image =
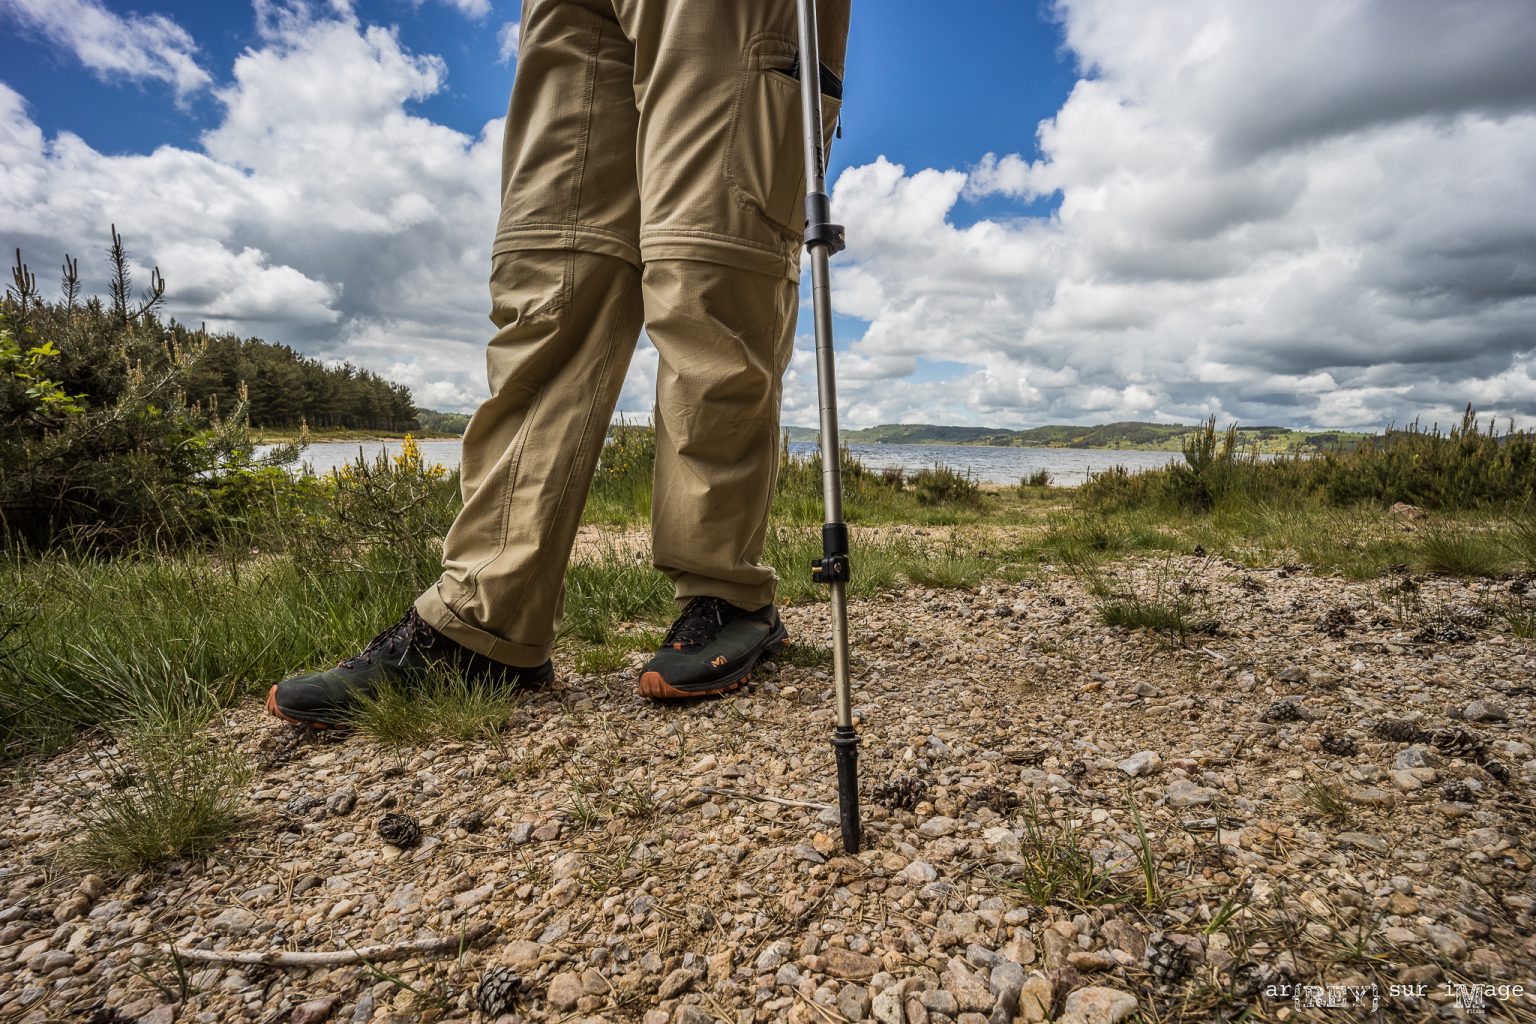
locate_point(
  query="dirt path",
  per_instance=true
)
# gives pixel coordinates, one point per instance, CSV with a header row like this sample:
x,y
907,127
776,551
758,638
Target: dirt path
x,y
634,867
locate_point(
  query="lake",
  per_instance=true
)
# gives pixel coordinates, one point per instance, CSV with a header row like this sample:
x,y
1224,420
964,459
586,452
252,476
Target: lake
x,y
1067,466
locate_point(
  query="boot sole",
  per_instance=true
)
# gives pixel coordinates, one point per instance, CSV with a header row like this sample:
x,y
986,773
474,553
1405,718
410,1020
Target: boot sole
x,y
276,711
654,687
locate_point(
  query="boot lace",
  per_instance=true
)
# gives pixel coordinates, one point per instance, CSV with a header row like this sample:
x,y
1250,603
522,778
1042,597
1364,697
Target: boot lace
x,y
411,631
700,620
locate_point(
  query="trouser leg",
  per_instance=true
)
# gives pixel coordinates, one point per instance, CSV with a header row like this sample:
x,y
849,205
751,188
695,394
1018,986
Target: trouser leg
x,y
722,185
530,452
565,290
724,337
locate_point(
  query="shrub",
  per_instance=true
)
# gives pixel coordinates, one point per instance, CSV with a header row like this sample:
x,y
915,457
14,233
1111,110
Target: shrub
x,y
944,486
101,447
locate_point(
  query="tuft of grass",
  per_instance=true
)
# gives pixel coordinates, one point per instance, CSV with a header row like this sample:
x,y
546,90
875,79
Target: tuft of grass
x,y
1034,480
443,705
1057,865
804,654
1170,607
1151,880
178,803
1328,799
1518,617
1454,550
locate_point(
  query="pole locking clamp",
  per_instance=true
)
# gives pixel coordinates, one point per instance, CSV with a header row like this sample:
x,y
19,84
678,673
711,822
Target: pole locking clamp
x,y
832,566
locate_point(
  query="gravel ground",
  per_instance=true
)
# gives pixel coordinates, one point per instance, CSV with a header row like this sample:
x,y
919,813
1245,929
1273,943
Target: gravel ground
x,y
1066,821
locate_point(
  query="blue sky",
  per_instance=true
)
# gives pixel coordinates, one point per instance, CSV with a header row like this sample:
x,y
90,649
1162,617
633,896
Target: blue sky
x,y
1064,211
924,91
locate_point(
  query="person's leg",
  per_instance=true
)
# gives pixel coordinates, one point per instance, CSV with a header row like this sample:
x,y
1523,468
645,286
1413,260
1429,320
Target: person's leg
x,y
565,290
721,160
566,294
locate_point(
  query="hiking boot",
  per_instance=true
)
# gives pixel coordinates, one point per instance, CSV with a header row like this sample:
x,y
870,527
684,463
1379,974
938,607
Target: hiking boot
x,y
711,648
402,655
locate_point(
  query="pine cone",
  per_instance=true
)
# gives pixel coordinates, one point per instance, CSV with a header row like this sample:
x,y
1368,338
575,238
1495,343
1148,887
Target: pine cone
x,y
1003,801
1497,770
1455,742
1457,792
1076,770
1337,622
901,793
498,991
472,822
1248,979
1166,960
1398,731
399,830
1286,710
1339,745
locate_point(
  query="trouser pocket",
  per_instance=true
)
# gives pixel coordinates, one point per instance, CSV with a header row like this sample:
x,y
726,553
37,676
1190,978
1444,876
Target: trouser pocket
x,y
765,159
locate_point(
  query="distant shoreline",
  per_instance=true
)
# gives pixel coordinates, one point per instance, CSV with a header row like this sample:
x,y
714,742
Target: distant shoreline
x,y
366,436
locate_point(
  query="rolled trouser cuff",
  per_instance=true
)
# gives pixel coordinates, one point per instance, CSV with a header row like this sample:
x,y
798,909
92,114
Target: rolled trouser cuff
x,y
431,607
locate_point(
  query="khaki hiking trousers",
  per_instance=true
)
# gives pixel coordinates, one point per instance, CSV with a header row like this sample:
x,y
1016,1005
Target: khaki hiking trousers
x,y
652,174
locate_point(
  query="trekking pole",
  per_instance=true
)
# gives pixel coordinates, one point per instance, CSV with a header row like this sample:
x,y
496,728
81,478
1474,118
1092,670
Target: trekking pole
x,y
822,240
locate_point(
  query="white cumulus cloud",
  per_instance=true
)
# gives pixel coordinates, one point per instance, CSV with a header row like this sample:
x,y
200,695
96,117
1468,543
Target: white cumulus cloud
x,y
138,47
507,39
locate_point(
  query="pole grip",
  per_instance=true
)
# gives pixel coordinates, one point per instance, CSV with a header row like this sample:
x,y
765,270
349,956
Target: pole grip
x,y
846,744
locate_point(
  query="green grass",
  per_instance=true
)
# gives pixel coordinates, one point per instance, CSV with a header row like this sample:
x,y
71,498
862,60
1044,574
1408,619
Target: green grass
x,y
444,706
1453,550
1170,605
1327,799
170,800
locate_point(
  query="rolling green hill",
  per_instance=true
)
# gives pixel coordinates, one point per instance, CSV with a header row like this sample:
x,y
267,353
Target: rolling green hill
x,y
1147,436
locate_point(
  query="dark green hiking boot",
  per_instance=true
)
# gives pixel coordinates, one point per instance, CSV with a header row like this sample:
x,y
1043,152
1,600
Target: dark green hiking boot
x,y
402,655
711,648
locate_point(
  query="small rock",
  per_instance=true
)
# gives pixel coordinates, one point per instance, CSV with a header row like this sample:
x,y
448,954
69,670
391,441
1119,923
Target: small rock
x,y
919,872
848,965
887,1006
342,802
1006,981
564,991
50,961
1446,941
1035,998
771,956
1097,1005
940,1001
1416,757
1485,711
314,1011
92,887
520,833
969,991
1140,763
1091,960
521,953
233,921
676,983
72,908
853,1002
1183,793
938,826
